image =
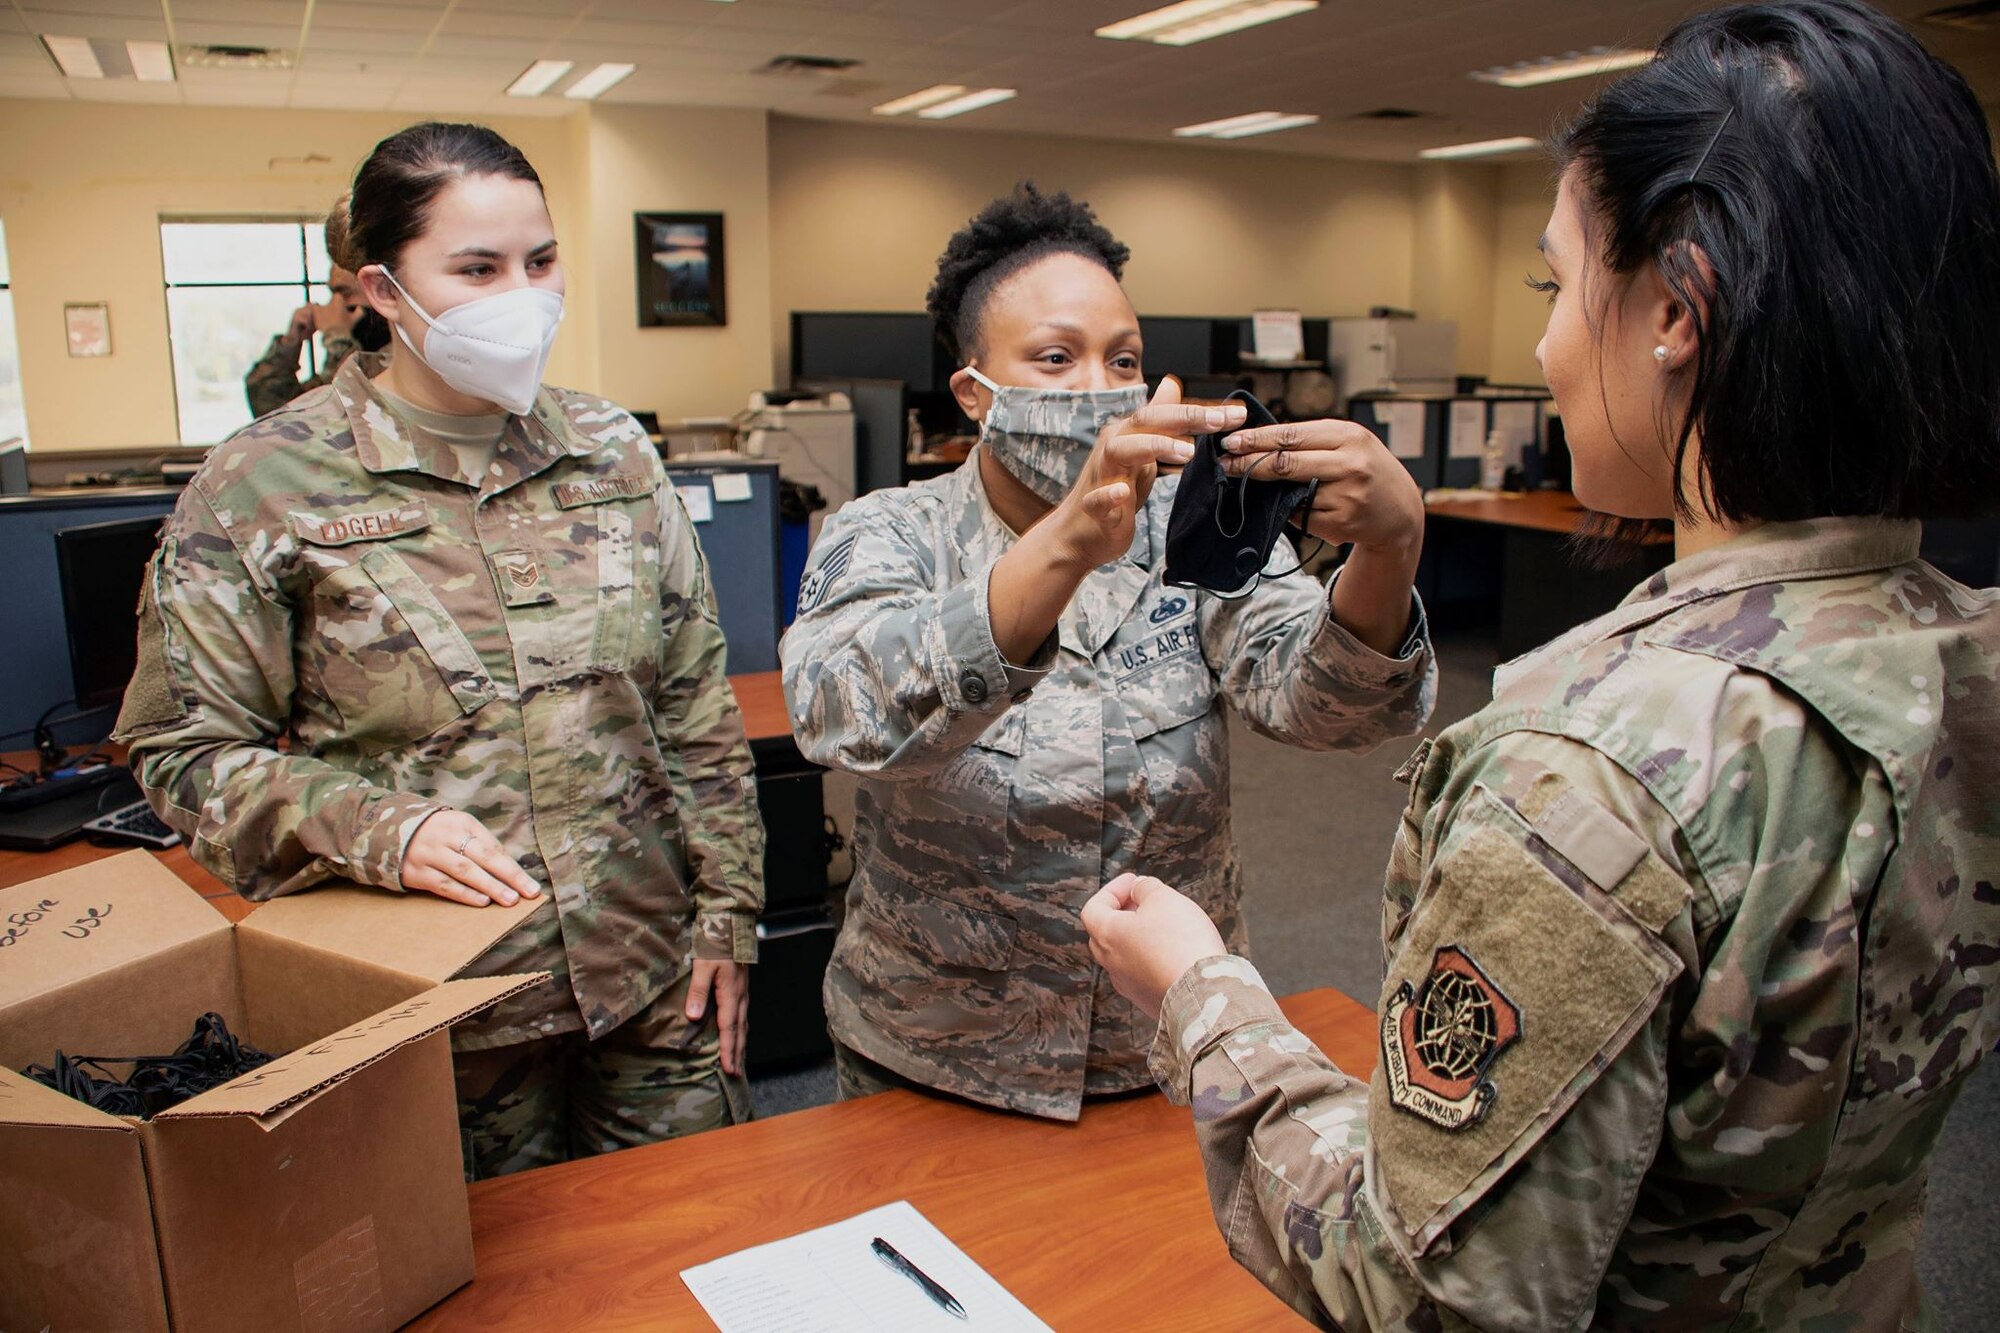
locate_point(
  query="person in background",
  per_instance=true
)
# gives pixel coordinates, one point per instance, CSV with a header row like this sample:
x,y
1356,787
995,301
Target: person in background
x,y
344,323
440,628
1691,934
1032,708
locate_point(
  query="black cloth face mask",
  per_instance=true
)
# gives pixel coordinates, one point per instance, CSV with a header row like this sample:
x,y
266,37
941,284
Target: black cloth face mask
x,y
1222,528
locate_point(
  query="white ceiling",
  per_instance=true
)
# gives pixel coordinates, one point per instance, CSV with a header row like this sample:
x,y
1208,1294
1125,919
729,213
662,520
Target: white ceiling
x,y
456,57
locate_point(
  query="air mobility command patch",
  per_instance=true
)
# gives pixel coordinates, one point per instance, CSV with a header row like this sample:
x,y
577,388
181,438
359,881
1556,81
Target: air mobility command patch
x,y
1438,1042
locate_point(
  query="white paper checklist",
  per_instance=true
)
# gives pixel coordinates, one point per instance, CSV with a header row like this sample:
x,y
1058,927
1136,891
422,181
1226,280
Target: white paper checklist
x,y
829,1281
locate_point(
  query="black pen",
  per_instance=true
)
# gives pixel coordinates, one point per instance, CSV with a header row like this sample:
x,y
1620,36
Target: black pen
x,y
889,1255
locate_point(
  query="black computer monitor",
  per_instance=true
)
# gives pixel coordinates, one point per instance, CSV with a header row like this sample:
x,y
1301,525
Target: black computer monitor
x,y
101,566
842,345
1176,346
13,467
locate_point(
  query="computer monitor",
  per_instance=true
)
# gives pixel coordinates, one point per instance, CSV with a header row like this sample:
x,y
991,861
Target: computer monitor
x,y
838,345
1176,346
101,566
13,467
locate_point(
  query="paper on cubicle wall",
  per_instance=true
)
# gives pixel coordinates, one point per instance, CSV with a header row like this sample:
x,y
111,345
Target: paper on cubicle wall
x,y
698,500
1468,429
1515,420
829,1281
1402,426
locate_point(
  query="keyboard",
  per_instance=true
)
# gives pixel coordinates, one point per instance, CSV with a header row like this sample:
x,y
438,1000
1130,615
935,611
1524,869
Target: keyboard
x,y
26,795
134,823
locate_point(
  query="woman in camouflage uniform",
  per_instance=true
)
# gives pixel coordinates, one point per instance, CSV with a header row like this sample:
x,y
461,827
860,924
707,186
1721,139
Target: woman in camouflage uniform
x,y
436,627
1032,708
1691,934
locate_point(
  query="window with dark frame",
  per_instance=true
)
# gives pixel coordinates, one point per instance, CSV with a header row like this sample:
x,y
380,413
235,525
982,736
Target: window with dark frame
x,y
232,285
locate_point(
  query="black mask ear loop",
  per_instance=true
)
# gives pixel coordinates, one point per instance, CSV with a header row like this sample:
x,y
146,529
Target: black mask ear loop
x,y
1243,516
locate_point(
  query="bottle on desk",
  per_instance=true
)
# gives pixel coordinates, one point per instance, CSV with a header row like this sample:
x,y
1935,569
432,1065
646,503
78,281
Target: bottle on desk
x,y
1493,462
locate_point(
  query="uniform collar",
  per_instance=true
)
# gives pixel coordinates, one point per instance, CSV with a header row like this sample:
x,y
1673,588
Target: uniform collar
x,y
1820,548
1107,596
384,442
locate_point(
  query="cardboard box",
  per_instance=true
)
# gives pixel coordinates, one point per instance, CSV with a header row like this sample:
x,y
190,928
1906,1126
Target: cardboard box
x,y
322,1192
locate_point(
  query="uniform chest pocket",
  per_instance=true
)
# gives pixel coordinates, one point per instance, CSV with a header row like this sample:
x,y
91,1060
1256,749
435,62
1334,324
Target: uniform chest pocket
x,y
1181,742
392,662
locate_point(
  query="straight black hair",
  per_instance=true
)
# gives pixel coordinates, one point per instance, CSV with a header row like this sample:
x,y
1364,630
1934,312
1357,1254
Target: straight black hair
x,y
390,204
1820,193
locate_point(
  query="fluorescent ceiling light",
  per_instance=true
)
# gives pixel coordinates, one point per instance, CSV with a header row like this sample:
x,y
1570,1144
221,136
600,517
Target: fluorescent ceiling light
x,y
1267,127
1484,148
598,81
538,78
958,106
78,61
1208,127
1242,127
1554,69
931,96
151,61
1193,21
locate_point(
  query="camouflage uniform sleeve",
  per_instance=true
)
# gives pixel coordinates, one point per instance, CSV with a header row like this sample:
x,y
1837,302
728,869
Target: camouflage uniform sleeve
x,y
1295,674
208,702
884,673
701,736
1551,926
274,380
334,349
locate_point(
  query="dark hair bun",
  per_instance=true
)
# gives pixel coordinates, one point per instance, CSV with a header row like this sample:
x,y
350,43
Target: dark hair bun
x,y
339,242
1002,239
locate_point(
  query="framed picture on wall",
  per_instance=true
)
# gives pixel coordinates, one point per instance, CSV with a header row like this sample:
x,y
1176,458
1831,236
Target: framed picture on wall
x,y
87,328
681,271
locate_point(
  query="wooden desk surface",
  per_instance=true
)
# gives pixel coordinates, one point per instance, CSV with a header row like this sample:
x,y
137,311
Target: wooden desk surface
x,y
1540,511
759,694
1103,1224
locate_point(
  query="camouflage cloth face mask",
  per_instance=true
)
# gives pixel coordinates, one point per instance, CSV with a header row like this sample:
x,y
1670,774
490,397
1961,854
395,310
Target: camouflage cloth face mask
x,y
1044,436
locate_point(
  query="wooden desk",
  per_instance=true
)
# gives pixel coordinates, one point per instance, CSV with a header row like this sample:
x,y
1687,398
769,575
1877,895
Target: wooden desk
x,y
760,696
1537,511
1510,554
1103,1224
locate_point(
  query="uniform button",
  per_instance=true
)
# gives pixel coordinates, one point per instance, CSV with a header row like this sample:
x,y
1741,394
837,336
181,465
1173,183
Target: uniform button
x,y
973,686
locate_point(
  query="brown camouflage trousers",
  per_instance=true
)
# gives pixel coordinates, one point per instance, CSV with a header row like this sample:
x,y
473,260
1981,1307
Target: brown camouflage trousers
x,y
656,1076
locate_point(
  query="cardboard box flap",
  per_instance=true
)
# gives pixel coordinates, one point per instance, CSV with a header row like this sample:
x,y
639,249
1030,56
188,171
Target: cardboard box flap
x,y
26,1102
95,919
417,934
295,1077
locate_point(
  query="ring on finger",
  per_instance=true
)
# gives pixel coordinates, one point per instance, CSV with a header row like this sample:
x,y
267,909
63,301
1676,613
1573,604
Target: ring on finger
x,y
466,842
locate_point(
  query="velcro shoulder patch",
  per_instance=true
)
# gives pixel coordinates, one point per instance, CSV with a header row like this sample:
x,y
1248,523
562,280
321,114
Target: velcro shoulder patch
x,y
358,525
601,490
1515,985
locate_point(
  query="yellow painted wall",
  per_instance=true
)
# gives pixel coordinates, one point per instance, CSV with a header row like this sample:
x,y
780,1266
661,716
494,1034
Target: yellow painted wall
x,y
1526,193
82,188
1456,206
675,159
860,213
819,216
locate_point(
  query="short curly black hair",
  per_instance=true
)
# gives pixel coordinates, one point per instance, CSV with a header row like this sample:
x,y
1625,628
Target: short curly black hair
x,y
1002,239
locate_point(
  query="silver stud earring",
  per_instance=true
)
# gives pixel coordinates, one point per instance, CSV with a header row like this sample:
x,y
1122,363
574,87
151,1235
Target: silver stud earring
x,y
1660,353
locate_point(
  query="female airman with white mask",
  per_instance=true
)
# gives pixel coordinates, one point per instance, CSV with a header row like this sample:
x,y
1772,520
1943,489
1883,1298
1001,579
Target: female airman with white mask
x,y
441,628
